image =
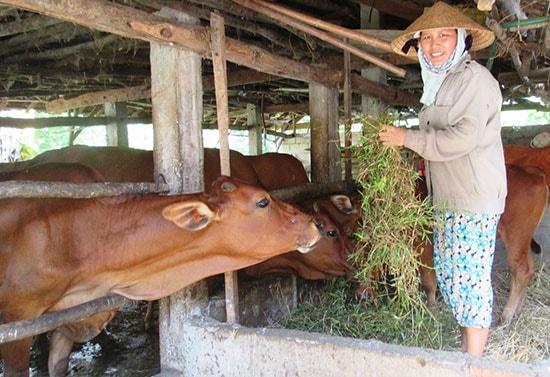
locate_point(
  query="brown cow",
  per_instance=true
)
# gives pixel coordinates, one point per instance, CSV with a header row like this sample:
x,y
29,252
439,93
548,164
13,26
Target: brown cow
x,y
278,170
119,164
58,171
528,156
272,171
57,253
328,259
525,206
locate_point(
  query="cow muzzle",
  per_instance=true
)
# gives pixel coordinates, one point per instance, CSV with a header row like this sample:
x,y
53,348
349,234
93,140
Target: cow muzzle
x,y
305,245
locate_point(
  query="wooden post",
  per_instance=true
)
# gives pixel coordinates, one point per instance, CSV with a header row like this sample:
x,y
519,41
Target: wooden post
x,y
370,19
325,140
176,96
117,126
254,129
220,83
347,115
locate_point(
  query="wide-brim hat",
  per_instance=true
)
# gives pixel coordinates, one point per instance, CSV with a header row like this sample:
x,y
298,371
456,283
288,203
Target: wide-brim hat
x,y
443,15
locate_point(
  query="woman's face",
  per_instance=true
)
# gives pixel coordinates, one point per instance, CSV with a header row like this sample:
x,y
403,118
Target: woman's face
x,y
438,45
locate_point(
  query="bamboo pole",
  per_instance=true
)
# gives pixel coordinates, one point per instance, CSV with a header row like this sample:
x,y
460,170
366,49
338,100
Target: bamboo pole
x,y
23,329
259,7
327,26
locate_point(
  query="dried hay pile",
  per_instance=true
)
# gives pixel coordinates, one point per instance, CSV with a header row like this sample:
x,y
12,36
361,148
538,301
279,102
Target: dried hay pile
x,y
527,338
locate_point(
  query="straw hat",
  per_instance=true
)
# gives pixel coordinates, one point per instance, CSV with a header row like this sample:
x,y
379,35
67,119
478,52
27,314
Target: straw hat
x,y
443,15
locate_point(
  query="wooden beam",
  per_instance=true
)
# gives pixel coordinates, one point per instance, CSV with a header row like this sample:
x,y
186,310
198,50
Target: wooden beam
x,y
99,98
132,23
385,93
63,122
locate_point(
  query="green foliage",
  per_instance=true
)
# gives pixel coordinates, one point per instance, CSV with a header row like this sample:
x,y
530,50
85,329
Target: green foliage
x,y
394,220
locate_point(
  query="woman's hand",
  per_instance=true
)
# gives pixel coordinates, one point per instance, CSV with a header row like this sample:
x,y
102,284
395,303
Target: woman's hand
x,y
392,136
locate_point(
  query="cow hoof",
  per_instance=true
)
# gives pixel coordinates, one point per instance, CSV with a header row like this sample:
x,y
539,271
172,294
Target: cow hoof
x,y
60,368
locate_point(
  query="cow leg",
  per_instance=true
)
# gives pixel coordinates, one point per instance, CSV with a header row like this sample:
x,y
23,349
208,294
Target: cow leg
x,y
60,349
64,337
16,354
427,272
522,270
16,357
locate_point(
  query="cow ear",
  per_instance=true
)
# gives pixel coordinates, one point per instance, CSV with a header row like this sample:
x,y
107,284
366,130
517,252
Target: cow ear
x,y
343,204
191,216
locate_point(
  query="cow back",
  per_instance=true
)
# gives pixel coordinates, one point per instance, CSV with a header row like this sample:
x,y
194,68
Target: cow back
x,y
528,156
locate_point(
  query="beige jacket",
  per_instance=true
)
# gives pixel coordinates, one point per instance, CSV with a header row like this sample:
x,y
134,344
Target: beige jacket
x,y
459,136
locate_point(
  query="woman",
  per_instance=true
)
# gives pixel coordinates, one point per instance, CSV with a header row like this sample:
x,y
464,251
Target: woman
x,y
459,137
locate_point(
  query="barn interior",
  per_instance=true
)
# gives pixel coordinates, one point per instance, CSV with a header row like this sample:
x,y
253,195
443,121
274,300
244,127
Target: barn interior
x,y
79,61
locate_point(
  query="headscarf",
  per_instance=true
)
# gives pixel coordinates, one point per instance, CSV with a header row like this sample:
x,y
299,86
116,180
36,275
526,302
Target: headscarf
x,y
433,76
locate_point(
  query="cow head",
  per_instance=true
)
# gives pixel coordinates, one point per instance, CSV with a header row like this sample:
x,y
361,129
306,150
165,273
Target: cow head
x,y
328,259
247,215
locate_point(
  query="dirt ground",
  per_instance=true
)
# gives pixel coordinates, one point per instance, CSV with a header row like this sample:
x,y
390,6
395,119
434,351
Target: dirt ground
x,y
124,349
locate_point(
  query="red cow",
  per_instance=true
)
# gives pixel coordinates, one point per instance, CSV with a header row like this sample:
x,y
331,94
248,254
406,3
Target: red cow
x,y
141,247
527,156
271,171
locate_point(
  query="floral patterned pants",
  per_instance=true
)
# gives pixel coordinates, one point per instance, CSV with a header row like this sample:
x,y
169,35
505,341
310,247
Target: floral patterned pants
x,y
464,245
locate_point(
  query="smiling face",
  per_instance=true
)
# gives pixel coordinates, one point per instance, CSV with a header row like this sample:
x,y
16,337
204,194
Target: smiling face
x,y
438,44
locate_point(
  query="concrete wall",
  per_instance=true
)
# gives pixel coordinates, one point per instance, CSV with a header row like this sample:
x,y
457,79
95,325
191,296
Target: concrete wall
x,y
219,349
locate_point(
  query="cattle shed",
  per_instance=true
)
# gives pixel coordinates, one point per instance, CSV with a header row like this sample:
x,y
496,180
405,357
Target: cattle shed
x,y
250,65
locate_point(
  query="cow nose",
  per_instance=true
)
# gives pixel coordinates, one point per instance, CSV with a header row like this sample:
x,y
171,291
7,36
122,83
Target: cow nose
x,y
319,223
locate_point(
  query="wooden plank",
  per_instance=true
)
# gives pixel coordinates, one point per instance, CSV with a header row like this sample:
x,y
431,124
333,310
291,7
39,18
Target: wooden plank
x,y
176,88
132,23
23,329
38,189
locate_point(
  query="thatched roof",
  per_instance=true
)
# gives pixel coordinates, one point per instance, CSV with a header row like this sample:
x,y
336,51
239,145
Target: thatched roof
x,y
72,55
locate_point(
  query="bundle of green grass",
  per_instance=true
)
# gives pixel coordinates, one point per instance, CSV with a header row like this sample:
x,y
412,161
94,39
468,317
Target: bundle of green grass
x,y
395,219
386,257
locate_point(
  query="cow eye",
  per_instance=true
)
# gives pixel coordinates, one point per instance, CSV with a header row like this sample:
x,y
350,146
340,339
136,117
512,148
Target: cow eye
x,y
264,202
332,233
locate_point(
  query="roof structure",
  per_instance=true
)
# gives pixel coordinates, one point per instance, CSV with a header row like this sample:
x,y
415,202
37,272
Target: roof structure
x,y
74,55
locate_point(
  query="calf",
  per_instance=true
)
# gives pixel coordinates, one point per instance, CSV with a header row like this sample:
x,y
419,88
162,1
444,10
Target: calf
x,y
57,253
